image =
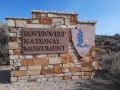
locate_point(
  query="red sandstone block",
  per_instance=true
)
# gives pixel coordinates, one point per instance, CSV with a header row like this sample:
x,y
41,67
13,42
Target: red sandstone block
x,y
85,69
66,77
75,69
41,61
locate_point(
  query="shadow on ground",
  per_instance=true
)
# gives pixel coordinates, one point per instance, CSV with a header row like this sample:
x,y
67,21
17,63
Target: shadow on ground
x,y
4,76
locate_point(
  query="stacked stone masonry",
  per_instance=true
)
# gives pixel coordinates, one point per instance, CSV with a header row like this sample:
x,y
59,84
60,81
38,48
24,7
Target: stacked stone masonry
x,y
47,67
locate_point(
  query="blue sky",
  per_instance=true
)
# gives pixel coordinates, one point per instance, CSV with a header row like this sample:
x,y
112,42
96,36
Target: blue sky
x,y
106,12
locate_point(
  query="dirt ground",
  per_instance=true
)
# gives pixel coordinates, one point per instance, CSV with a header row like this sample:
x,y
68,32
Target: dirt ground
x,y
88,84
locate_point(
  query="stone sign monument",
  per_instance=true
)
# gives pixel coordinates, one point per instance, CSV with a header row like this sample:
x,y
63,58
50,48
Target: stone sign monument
x,y
51,46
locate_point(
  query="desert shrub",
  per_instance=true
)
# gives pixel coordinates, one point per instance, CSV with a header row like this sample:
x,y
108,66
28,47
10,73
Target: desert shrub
x,y
3,43
111,64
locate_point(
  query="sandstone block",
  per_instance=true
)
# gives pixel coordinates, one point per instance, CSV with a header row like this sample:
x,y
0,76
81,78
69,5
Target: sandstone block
x,y
66,77
58,75
23,68
30,62
55,60
41,61
19,73
17,64
68,65
53,15
66,58
33,72
34,76
34,25
87,73
41,56
11,62
66,16
21,23
68,74
66,70
11,23
75,77
45,71
58,21
57,78
14,57
13,79
14,45
75,69
78,73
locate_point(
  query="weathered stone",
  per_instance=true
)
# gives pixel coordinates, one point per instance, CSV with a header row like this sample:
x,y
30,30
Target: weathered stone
x,y
75,77
66,77
30,62
17,60
26,56
37,67
11,23
55,60
68,65
87,73
67,21
12,34
19,73
66,70
86,64
66,16
17,64
34,25
41,56
47,67
17,52
68,74
11,62
53,15
47,26
41,61
34,76
14,45
33,72
49,75
57,70
78,73
74,69
58,75
35,21
66,58
86,59
21,23
14,57
63,26
58,21
13,79
23,68
45,71
45,20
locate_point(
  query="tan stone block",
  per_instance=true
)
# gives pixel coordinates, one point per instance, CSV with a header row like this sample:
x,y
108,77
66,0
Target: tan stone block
x,y
87,73
31,67
37,67
33,72
86,64
24,62
45,71
41,61
75,77
74,69
85,59
19,73
30,62
13,79
55,60
21,23
14,57
57,65
68,65
85,69
14,45
57,70
35,25
66,70
66,77
66,58
11,23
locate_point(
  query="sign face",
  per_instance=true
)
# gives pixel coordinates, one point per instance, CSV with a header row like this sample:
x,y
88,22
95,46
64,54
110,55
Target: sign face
x,y
45,40
83,37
